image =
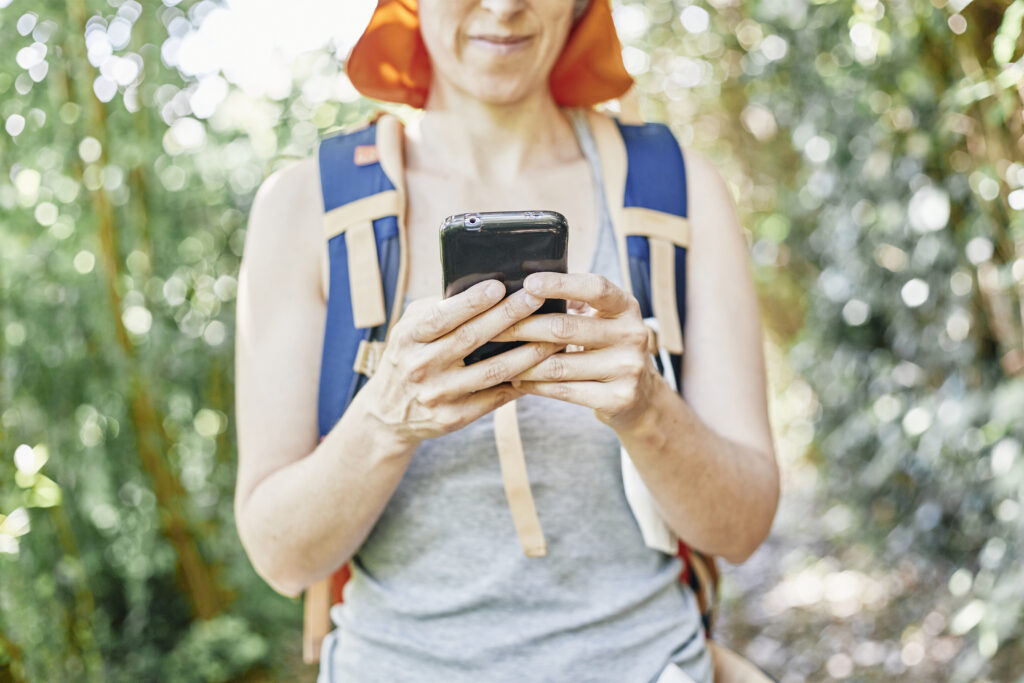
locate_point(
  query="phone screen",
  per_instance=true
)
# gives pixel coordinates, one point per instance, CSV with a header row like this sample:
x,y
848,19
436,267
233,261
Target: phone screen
x,y
505,246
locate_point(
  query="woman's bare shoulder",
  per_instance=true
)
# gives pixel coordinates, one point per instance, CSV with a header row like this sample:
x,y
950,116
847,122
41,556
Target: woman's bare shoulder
x,y
702,175
711,206
286,220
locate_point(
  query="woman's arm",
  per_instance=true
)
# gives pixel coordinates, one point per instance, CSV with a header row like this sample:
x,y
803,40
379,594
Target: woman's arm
x,y
708,460
719,488
303,509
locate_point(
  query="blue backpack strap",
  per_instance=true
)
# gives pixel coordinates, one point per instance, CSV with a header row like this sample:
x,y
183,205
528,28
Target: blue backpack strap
x,y
657,229
645,186
361,225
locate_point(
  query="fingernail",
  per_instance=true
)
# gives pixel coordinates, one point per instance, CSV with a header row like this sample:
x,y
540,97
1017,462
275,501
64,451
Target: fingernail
x,y
494,289
535,282
531,299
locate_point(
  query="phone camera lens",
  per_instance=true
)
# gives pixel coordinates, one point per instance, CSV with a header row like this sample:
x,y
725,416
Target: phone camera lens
x,y
473,221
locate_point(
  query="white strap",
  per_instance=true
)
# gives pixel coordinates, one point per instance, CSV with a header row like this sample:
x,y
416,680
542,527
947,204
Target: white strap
x,y
653,528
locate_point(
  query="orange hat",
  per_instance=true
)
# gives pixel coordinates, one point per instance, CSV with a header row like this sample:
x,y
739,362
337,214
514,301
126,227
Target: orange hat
x,y
390,61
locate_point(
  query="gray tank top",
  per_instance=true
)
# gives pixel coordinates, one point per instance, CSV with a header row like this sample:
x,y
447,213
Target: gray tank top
x,y
441,590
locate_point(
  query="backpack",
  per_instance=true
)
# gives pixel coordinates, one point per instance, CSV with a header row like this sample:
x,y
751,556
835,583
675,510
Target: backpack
x,y
362,182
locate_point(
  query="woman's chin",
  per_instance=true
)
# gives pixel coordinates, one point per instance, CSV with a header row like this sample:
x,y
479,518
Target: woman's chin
x,y
502,91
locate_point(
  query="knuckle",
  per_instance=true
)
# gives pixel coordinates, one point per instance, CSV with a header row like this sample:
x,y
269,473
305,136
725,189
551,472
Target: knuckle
x,y
428,397
637,336
416,367
563,326
602,285
632,367
433,320
633,306
496,371
542,351
416,374
514,310
467,336
554,368
501,398
517,330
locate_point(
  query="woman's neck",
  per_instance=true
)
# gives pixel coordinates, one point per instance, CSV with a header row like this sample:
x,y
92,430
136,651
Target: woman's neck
x,y
461,136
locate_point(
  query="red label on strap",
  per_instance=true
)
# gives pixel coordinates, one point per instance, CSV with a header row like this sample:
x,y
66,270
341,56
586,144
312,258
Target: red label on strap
x,y
365,155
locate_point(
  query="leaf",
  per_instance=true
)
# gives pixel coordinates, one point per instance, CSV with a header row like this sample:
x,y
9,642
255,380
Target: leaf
x,y
1009,31
45,493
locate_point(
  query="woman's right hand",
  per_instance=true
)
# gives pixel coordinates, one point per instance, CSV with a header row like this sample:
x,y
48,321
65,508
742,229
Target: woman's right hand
x,y
422,389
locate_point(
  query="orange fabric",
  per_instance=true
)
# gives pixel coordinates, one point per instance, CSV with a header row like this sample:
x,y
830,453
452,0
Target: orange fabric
x,y
390,61
338,580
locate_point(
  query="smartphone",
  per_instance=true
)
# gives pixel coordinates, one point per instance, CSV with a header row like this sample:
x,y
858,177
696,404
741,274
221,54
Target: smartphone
x,y
505,246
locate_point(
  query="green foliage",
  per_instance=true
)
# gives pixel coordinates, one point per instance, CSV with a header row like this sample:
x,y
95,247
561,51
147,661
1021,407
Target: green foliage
x,y
876,149
216,650
123,226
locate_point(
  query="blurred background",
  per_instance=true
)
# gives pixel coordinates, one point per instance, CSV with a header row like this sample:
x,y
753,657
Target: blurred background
x,y
875,151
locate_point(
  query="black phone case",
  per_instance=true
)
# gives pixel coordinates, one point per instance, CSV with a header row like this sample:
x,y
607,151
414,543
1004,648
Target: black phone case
x,y
505,246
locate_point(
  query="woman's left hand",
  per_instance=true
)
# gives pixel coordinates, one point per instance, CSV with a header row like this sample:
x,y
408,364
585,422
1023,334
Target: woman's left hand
x,y
613,373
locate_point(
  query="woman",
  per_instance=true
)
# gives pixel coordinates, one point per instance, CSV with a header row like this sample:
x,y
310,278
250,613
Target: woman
x,y
406,484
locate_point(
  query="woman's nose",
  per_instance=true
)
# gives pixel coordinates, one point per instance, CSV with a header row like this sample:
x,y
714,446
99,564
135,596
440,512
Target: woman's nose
x,y
503,9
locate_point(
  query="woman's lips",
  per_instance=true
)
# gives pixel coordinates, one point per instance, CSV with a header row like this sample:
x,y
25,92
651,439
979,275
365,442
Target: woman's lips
x,y
500,45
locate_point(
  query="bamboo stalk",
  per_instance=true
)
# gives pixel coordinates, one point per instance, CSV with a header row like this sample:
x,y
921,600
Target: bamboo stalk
x,y
14,671
197,579
82,632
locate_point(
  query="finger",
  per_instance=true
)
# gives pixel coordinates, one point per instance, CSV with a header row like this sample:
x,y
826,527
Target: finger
x,y
507,365
448,314
474,406
596,290
601,365
470,380
581,393
583,330
486,325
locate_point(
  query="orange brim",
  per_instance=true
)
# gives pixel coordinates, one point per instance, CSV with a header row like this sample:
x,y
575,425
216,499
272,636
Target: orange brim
x,y
390,61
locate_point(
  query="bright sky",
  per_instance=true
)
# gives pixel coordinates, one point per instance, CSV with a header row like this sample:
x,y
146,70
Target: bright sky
x,y
252,42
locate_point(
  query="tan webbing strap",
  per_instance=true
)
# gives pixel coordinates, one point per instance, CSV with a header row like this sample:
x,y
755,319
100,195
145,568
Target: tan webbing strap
x,y
391,151
660,224
364,282
612,151
316,619
340,219
664,231
517,483
706,578
663,294
368,356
